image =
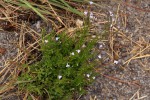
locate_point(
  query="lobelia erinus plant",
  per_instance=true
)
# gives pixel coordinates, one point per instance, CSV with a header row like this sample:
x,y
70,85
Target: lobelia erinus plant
x,y
65,67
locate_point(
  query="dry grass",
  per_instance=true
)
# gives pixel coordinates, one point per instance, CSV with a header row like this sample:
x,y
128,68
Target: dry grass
x,y
122,45
140,48
18,18
134,49
9,19
14,12
136,96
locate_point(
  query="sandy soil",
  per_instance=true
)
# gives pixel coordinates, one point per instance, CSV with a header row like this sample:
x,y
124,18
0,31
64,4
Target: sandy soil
x,y
126,56
8,46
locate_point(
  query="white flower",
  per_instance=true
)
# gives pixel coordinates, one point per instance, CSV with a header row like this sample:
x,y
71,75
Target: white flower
x,y
59,76
91,15
85,12
99,56
116,62
111,14
88,75
72,53
67,65
90,2
57,38
46,41
78,51
100,46
93,77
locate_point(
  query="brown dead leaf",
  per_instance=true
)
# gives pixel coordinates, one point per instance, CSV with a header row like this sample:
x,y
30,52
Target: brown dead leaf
x,y
2,50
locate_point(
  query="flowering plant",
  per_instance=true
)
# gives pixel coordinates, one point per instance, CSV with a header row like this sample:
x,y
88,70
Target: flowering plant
x,y
64,69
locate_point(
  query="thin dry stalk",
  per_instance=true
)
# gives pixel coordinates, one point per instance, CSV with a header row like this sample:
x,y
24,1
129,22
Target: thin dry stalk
x,y
116,30
136,96
135,56
56,15
118,80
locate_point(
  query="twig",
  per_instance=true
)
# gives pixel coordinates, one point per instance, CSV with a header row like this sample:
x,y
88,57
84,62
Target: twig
x,y
136,55
116,79
140,9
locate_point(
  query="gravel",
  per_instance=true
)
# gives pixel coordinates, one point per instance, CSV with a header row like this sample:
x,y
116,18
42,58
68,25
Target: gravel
x,y
124,81
8,42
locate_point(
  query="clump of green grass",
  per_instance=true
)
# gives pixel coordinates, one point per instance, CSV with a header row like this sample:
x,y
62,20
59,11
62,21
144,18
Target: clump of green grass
x,y
64,69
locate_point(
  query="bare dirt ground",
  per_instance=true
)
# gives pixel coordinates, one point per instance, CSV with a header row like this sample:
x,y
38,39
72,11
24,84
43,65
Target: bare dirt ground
x,y
8,46
125,54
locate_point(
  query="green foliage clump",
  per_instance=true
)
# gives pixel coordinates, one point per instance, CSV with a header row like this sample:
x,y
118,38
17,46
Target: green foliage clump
x,y
65,67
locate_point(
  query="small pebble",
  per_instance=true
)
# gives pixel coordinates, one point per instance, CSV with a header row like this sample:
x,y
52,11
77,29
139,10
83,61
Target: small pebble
x,y
38,24
93,36
83,46
119,83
